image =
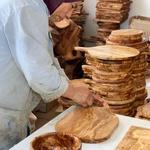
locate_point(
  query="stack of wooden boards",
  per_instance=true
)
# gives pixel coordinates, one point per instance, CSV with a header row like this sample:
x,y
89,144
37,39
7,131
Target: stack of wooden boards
x,y
134,38
142,23
79,14
109,15
79,17
110,69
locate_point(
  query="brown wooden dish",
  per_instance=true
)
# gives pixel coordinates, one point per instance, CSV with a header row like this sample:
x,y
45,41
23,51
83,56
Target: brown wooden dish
x,y
56,141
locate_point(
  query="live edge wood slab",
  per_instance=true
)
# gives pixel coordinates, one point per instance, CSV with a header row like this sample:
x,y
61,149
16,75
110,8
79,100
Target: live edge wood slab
x,y
91,125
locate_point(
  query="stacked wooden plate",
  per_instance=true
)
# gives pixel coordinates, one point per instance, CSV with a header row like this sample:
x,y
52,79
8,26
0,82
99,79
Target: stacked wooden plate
x,y
110,68
109,15
79,14
142,23
134,38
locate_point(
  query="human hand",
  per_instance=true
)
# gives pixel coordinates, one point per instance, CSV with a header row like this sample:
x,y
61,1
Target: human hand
x,y
101,102
79,92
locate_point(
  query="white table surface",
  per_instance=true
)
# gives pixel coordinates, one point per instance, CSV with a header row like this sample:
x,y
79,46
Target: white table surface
x,y
124,124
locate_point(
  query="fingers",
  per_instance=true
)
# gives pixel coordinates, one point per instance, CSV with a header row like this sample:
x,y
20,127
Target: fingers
x,y
90,100
104,103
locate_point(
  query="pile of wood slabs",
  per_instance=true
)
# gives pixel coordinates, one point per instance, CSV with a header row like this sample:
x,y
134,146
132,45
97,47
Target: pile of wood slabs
x,y
134,38
109,71
142,23
109,15
79,14
79,17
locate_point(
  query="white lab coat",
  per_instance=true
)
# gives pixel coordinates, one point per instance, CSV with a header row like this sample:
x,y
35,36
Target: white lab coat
x,y
27,64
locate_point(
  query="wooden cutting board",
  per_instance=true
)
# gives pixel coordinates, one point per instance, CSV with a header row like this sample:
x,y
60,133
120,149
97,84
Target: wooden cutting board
x,y
137,138
110,52
91,125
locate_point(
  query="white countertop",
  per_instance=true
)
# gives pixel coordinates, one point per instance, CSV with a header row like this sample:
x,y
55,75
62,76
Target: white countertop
x,y
124,125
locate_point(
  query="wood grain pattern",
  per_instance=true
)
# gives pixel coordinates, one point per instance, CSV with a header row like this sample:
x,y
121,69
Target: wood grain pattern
x,y
122,102
112,78
56,141
113,6
109,65
142,46
144,111
126,36
92,125
63,23
137,138
110,52
134,38
127,33
109,15
108,87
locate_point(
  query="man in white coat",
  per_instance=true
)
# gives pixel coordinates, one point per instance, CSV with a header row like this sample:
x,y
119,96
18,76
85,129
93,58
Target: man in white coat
x,y
28,68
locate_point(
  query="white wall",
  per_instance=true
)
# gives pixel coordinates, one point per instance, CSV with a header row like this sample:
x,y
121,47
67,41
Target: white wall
x,y
138,7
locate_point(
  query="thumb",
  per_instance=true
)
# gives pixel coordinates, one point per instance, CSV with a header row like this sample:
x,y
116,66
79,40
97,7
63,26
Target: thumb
x,y
104,103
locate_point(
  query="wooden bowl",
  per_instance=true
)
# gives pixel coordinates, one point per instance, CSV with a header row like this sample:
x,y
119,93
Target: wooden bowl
x,y
57,141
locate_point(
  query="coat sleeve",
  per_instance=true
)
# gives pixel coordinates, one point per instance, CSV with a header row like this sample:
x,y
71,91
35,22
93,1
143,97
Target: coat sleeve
x,y
27,35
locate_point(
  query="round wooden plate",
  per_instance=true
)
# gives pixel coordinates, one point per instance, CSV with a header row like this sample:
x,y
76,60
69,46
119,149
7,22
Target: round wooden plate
x,y
110,52
126,36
